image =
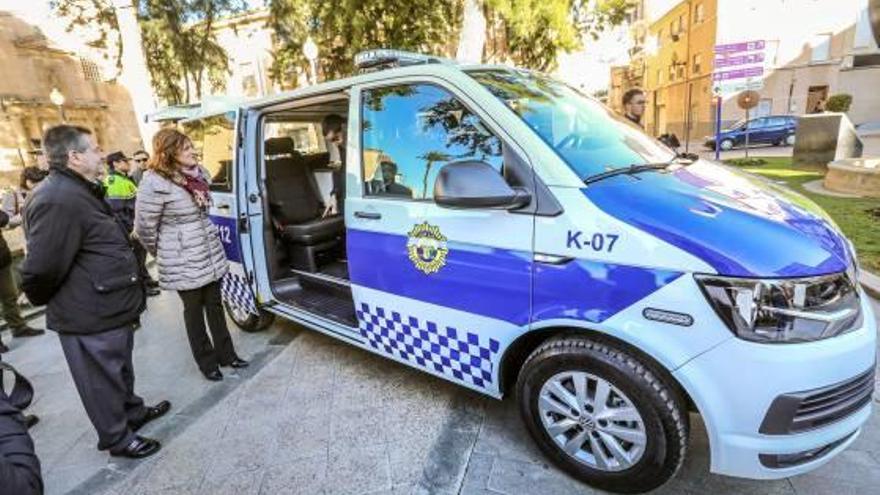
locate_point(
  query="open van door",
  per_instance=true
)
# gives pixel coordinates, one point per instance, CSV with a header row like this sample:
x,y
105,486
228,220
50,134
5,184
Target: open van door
x,y
215,137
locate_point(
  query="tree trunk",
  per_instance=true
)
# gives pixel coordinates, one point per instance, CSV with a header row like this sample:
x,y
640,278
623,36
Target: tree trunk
x,y
134,75
473,33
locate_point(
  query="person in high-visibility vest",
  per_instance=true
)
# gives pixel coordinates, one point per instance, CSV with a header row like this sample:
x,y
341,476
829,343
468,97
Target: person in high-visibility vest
x,y
121,193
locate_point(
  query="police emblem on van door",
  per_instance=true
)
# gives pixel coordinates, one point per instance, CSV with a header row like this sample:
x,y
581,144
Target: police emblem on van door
x,y
427,248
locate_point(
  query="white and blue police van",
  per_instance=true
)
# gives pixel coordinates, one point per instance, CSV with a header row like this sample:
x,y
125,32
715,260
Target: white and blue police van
x,y
495,228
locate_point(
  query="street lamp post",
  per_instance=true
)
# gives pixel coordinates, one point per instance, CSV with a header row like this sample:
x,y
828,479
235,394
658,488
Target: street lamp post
x,y
57,98
310,50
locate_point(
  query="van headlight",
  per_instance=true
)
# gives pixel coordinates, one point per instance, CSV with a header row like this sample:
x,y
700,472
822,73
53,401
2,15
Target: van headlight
x,y
785,310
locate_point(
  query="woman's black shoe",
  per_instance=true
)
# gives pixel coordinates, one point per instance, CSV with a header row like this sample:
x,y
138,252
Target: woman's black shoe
x,y
214,376
239,363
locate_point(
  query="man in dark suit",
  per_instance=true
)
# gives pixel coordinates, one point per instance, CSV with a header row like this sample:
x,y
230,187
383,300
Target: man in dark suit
x,y
81,263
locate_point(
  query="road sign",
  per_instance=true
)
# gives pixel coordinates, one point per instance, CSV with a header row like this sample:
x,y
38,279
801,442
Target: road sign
x,y
739,67
729,87
738,73
747,46
723,60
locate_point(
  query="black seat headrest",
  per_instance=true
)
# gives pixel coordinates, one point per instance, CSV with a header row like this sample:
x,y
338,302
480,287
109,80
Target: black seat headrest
x,y
279,146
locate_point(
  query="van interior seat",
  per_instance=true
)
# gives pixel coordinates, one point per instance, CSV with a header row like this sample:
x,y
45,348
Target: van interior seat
x,y
296,207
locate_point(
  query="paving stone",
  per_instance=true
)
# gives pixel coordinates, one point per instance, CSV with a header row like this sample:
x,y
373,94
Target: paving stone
x,y
303,476
243,482
299,438
478,470
357,469
358,427
517,477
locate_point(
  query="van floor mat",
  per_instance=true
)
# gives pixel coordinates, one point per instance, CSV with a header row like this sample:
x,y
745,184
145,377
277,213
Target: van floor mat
x,y
327,304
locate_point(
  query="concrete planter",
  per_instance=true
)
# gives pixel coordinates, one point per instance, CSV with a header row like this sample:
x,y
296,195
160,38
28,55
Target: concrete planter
x,y
859,176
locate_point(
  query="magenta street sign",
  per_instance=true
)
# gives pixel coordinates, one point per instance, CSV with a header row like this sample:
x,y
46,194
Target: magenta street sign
x,y
738,74
747,46
723,61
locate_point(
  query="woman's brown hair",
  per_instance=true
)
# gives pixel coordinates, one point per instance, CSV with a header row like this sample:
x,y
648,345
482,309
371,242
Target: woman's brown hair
x,y
167,143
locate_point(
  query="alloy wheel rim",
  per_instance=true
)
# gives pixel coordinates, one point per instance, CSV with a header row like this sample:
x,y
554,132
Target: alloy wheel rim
x,y
592,421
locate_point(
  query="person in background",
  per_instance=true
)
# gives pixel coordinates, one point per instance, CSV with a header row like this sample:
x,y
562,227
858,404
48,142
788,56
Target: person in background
x,y
81,263
634,105
171,220
333,127
139,161
10,217
121,194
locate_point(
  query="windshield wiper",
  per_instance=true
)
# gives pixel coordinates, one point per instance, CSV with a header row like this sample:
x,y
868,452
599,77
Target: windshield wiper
x,y
629,170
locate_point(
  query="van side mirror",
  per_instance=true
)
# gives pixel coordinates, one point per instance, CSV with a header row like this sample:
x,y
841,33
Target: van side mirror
x,y
474,184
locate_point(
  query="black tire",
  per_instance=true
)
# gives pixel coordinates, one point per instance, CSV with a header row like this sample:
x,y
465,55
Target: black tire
x,y
251,322
661,408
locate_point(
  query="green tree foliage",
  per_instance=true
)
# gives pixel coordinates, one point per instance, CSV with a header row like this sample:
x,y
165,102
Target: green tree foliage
x,y
532,32
181,47
179,44
535,32
343,28
99,14
839,102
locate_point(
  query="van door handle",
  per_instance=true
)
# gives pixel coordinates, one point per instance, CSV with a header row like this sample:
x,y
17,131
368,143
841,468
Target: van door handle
x,y
370,215
223,206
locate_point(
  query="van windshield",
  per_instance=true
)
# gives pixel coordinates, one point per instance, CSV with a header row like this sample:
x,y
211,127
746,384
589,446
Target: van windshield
x,y
587,135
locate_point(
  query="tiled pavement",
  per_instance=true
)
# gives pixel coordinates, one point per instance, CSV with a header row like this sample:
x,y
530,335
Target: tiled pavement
x,y
316,416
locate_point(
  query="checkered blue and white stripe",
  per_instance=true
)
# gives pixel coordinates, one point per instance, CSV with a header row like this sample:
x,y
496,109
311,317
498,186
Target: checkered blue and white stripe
x,y
459,354
237,293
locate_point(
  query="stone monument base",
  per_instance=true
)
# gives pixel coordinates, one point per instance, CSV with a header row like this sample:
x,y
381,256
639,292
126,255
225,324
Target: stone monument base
x,y
860,176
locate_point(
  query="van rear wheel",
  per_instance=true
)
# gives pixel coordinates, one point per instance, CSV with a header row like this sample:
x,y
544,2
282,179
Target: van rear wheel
x,y
248,321
601,415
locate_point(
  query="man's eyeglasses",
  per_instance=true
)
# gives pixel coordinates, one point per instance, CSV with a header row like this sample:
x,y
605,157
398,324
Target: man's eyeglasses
x,y
139,160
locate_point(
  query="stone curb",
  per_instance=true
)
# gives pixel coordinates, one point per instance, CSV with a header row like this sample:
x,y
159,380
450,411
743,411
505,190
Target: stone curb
x,y
871,283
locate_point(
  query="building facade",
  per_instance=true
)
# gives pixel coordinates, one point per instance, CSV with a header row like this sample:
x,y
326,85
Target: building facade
x,y
831,49
33,67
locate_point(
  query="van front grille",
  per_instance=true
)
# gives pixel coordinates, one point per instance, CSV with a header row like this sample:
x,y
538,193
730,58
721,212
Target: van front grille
x,y
801,411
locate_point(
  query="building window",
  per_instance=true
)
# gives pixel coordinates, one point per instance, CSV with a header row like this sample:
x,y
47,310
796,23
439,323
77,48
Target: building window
x,y
698,63
91,71
821,47
671,73
679,72
672,31
659,38
698,13
659,77
680,26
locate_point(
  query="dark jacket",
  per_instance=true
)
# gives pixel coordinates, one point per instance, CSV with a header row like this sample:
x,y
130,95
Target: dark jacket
x,y
79,258
19,466
5,253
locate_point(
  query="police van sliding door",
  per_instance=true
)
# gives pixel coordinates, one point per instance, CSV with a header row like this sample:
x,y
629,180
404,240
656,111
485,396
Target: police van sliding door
x,y
442,289
214,138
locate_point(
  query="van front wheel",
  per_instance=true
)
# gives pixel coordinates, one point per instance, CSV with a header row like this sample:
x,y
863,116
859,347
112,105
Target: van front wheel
x,y
248,321
601,415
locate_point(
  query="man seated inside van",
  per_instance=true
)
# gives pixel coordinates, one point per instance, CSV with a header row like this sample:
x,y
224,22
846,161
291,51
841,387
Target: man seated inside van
x,y
390,186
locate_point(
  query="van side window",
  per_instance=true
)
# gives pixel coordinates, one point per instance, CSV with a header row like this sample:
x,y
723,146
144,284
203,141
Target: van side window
x,y
409,132
214,139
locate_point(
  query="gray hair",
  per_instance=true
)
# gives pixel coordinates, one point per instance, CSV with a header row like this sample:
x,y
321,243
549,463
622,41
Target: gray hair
x,y
60,140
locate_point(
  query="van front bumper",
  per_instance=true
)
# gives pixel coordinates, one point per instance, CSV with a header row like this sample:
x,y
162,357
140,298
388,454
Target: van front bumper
x,y
758,401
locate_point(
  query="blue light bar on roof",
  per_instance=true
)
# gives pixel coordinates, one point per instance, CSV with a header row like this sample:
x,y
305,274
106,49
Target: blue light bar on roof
x,y
383,58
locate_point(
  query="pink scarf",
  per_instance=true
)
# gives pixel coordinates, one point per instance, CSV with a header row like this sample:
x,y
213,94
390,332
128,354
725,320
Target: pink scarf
x,y
195,183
